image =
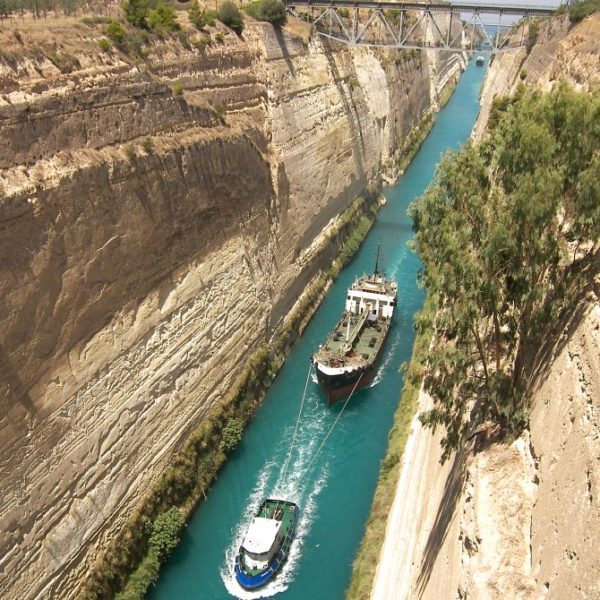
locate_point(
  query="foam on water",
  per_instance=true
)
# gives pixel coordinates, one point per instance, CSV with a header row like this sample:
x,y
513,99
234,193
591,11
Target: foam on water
x,y
298,487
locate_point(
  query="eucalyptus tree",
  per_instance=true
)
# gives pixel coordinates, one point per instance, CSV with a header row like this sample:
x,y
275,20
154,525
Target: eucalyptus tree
x,y
504,232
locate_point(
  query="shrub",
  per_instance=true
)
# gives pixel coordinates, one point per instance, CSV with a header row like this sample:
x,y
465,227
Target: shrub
x,y
96,20
116,32
196,16
201,42
136,12
165,533
177,89
532,35
104,44
219,111
162,19
579,10
148,145
232,434
271,11
219,37
229,14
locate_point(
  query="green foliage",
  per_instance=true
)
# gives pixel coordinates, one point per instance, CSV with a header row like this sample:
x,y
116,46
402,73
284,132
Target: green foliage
x,y
197,16
148,145
165,533
532,35
492,234
162,19
201,42
104,45
210,16
229,14
177,89
579,10
219,37
232,435
116,32
136,12
271,11
95,20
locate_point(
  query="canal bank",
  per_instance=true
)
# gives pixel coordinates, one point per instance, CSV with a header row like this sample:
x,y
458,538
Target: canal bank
x,y
336,492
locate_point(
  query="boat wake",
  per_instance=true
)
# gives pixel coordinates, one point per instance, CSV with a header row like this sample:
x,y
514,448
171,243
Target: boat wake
x,y
295,487
389,353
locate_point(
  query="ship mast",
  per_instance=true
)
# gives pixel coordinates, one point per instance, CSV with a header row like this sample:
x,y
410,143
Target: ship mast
x,y
377,259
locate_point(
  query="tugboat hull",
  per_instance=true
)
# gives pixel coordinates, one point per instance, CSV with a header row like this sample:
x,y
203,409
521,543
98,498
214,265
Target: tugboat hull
x,y
252,578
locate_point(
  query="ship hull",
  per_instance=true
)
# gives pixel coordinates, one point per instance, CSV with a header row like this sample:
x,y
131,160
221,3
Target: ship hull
x,y
339,386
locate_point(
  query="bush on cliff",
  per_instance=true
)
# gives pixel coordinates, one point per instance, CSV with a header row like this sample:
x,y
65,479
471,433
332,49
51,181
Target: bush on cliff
x,y
229,14
162,19
509,238
579,10
271,11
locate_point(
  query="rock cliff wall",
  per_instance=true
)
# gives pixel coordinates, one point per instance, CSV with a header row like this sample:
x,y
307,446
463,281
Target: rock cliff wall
x,y
516,520
157,215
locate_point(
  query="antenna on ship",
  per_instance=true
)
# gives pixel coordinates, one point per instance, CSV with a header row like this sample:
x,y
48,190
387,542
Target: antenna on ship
x,y
377,259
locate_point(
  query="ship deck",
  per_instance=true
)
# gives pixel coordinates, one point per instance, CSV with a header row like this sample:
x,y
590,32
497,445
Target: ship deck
x,y
365,345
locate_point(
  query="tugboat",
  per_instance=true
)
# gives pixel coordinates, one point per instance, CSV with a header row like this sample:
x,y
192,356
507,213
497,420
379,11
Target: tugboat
x,y
267,543
348,359
480,60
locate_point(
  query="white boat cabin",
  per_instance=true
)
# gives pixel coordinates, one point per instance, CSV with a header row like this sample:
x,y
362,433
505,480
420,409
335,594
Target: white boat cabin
x,y
372,296
262,542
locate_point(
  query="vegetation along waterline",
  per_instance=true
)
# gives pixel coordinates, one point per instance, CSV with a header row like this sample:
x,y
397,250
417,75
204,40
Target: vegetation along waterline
x,y
133,561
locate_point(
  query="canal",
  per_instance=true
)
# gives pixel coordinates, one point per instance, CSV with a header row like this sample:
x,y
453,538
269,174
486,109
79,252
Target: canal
x,y
335,493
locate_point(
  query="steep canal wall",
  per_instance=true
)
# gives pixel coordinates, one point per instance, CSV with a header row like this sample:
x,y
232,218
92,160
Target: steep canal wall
x,y
160,212
520,519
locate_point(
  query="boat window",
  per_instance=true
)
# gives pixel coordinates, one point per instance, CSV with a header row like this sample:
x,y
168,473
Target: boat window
x,y
258,557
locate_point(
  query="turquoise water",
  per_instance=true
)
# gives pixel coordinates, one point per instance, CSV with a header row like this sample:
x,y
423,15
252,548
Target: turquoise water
x,y
335,493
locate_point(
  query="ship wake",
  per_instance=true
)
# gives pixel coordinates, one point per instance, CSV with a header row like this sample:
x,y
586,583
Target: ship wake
x,y
298,486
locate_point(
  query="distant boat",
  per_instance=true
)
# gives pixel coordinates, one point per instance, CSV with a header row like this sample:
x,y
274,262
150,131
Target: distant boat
x,y
267,543
480,61
348,359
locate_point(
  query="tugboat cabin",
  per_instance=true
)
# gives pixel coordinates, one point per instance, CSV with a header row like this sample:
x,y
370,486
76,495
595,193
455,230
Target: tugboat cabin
x,y
263,539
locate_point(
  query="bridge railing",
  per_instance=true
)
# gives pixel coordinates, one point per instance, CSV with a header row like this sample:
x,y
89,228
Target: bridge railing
x,y
414,25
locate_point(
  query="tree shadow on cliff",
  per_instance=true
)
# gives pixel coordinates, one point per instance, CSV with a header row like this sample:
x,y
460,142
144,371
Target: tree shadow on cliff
x,y
12,394
284,51
583,291
354,126
452,493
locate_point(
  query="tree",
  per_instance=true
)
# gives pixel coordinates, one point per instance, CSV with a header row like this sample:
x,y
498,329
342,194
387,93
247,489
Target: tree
x,y
196,16
232,434
493,231
136,12
165,533
229,14
162,19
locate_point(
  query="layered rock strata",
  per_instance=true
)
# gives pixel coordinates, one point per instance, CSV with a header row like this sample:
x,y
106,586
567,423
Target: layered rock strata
x,y
157,220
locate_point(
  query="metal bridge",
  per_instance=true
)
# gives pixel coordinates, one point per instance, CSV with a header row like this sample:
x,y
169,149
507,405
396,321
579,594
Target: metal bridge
x,y
452,26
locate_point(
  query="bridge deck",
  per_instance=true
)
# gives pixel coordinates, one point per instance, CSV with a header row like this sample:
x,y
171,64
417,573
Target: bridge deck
x,y
459,7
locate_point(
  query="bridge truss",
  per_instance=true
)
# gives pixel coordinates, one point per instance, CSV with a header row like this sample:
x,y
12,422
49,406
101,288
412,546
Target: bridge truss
x,y
455,27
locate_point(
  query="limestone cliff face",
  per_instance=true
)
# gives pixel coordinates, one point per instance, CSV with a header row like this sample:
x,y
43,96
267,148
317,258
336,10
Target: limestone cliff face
x,y
147,245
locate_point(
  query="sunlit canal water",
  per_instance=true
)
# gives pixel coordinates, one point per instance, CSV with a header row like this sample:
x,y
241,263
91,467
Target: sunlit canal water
x,y
335,494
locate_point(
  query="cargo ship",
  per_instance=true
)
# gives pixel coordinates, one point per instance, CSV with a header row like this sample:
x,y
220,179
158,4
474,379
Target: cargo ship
x,y
348,359
267,543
